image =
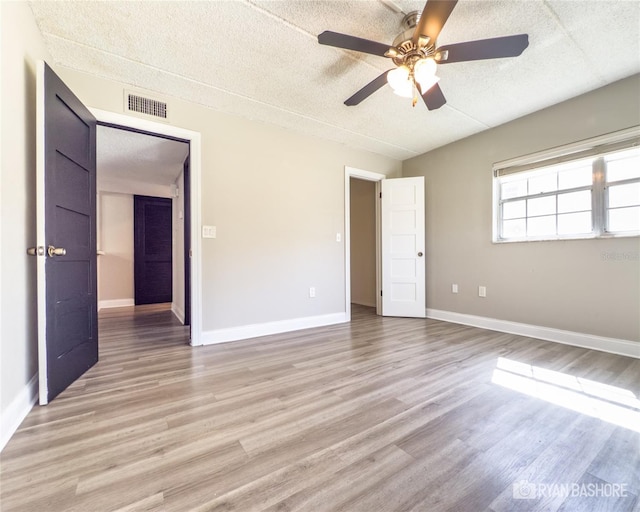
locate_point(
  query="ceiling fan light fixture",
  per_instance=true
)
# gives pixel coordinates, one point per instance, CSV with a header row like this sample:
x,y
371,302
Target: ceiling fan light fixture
x,y
424,69
399,79
424,73
428,83
406,91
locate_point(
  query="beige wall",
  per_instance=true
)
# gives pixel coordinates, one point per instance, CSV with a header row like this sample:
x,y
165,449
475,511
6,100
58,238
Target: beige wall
x,y
21,46
177,256
569,285
277,200
115,239
363,242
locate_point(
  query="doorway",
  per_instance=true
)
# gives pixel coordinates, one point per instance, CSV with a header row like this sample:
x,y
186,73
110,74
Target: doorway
x,y
192,254
363,242
373,179
142,219
400,244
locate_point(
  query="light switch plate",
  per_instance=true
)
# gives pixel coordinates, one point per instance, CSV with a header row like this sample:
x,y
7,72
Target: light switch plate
x,y
208,231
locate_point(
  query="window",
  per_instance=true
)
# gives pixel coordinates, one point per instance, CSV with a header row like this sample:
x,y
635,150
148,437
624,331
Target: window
x,y
622,189
587,190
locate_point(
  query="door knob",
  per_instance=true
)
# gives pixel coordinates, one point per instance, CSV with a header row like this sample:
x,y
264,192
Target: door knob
x,y
35,251
56,251
420,255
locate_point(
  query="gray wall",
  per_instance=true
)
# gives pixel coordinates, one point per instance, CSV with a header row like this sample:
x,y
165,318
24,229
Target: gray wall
x,y
572,285
21,47
177,255
363,242
277,200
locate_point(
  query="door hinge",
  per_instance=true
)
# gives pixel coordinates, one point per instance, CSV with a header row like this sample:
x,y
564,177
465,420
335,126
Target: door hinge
x,y
380,293
380,195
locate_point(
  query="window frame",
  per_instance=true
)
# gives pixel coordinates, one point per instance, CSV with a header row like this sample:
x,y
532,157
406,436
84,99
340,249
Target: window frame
x,y
597,149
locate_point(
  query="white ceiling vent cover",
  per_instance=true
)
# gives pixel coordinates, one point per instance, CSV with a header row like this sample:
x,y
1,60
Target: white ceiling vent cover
x,y
147,106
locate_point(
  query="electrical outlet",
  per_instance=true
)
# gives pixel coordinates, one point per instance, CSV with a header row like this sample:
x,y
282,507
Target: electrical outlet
x,y
312,292
454,288
482,291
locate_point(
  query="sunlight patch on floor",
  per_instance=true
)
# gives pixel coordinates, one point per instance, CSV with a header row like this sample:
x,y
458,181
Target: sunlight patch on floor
x,y
614,405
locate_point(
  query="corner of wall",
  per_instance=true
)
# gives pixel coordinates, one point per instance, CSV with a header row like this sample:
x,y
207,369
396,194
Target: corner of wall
x,y
17,411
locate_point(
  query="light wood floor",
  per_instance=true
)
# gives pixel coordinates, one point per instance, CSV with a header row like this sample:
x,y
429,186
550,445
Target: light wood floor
x,y
383,414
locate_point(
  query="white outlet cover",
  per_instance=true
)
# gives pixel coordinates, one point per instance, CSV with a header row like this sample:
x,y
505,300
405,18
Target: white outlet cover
x,y
208,231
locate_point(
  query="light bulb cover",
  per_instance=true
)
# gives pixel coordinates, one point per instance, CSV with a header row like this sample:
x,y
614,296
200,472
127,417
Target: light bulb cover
x,y
424,73
406,91
428,83
399,77
424,69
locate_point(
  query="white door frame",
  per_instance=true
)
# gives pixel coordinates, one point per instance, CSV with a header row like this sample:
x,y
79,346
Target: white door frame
x,y
352,172
195,156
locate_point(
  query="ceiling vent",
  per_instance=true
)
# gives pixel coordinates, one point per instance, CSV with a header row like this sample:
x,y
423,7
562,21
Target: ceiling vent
x,y
147,106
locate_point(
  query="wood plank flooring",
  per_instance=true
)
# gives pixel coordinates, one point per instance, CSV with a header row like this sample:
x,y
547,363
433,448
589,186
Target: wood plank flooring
x,y
382,414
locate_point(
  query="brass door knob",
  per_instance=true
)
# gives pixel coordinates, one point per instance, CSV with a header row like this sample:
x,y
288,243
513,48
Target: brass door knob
x,y
56,251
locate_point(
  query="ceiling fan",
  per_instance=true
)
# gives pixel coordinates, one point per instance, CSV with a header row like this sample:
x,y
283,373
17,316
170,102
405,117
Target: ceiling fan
x,y
416,56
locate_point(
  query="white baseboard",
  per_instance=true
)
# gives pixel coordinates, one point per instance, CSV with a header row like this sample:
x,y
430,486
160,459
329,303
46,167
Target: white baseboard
x,y
178,312
115,303
577,339
18,409
254,330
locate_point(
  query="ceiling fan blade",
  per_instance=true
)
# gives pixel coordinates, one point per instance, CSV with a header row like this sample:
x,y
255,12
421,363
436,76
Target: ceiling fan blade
x,y
352,43
434,15
495,48
367,90
434,98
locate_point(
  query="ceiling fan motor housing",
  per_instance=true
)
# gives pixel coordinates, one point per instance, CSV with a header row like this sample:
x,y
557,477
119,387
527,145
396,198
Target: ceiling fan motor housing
x,y
406,51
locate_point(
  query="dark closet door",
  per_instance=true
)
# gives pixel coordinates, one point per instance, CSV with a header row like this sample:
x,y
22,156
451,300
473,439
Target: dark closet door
x,y
152,249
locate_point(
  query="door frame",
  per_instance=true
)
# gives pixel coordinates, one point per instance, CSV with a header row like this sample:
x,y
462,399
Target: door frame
x,y
352,172
195,155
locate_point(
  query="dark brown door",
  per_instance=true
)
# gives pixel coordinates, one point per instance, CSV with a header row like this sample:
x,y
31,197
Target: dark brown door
x,y
152,249
66,197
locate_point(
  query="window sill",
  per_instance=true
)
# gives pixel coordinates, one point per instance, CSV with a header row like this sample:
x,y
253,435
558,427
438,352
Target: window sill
x,y
605,236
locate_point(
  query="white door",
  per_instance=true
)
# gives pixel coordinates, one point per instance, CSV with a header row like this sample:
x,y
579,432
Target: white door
x,y
403,247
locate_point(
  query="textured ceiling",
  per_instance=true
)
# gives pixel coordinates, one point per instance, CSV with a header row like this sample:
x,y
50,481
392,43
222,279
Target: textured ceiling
x,y
261,60
129,156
